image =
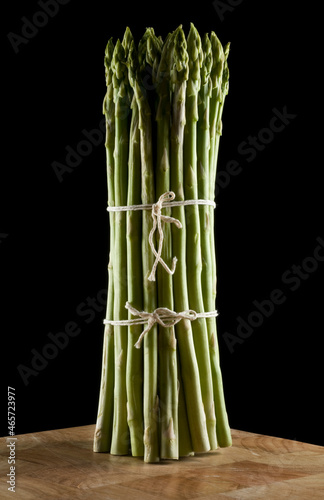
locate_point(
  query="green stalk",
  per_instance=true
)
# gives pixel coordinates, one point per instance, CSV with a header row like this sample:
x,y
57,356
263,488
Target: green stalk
x,y
185,441
194,265
189,366
120,436
222,425
150,400
134,368
168,377
206,219
103,431
134,365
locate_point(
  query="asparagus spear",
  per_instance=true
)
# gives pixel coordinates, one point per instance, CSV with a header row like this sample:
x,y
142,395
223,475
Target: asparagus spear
x,y
103,431
168,377
219,78
151,400
189,366
193,256
120,436
134,368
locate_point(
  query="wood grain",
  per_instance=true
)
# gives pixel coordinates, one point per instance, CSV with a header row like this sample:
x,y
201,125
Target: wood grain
x,y
60,465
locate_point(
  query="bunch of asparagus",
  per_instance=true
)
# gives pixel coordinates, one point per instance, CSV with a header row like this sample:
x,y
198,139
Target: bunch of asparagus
x,y
163,110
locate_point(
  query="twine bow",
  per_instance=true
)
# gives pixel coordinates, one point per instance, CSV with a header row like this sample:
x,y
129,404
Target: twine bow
x,y
157,223
162,315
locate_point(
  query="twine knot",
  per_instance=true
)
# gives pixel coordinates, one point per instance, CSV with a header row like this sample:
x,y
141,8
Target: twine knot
x,y
158,218
162,315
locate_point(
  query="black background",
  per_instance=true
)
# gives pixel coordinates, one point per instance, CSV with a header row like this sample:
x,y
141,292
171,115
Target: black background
x,y
54,235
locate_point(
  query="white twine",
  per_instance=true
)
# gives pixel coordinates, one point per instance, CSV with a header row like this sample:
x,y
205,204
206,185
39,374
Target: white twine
x,y
162,315
165,201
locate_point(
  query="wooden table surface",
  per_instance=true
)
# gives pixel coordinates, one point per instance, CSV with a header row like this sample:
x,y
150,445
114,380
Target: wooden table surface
x,y
60,464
